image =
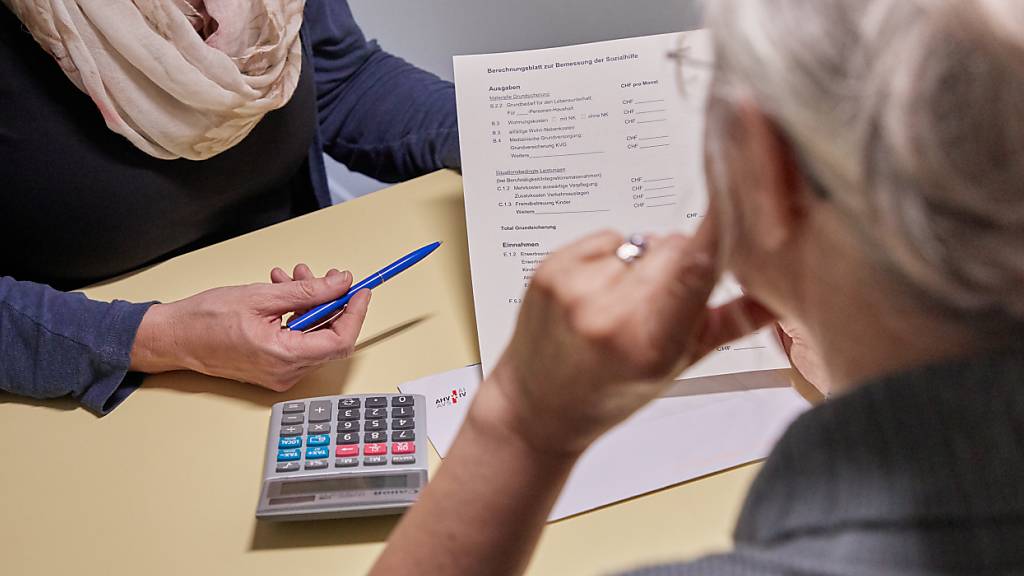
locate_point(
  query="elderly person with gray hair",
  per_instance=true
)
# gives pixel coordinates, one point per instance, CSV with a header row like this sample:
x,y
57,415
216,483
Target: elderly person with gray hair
x,y
864,160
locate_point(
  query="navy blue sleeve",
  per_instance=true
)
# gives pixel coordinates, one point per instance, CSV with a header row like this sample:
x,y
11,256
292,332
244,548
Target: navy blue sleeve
x,y
55,344
379,115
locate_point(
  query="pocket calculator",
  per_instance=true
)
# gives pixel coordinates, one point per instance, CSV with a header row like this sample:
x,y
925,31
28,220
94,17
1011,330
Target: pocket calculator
x,y
344,456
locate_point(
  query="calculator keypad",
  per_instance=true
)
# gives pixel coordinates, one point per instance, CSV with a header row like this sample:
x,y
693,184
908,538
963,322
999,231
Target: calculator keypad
x,y
361,429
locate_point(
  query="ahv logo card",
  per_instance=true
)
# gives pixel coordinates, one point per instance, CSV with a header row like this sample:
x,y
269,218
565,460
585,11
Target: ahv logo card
x,y
450,394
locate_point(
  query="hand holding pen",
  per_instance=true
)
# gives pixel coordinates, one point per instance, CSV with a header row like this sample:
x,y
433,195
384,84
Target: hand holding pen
x,y
236,333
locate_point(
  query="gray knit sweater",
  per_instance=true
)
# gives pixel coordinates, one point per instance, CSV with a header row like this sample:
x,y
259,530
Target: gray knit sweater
x,y
918,473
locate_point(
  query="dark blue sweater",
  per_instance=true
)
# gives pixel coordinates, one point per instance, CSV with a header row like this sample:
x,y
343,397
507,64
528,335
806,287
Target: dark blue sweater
x,y
375,113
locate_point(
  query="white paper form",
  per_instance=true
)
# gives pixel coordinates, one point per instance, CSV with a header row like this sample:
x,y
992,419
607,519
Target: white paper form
x,y
562,142
698,427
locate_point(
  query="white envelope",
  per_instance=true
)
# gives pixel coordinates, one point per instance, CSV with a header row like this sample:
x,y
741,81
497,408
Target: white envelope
x,y
700,426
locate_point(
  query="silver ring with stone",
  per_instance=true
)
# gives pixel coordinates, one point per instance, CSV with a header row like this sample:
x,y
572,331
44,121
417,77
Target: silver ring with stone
x,y
632,249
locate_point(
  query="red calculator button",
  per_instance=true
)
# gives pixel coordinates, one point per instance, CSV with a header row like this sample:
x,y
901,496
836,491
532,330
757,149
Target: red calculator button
x,y
375,449
346,451
403,448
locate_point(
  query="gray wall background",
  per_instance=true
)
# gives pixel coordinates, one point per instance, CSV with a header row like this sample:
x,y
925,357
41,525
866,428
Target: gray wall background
x,y
429,32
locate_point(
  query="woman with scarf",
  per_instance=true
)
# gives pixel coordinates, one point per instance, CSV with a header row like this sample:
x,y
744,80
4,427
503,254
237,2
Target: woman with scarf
x,y
134,131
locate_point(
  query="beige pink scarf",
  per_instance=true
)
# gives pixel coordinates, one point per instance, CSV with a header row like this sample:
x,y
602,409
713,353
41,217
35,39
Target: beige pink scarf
x,y
178,78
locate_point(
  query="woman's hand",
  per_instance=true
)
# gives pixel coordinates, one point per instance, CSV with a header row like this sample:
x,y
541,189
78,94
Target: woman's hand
x,y
598,338
236,332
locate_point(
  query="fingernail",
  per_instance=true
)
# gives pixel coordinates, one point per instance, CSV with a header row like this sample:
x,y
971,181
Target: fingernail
x,y
339,279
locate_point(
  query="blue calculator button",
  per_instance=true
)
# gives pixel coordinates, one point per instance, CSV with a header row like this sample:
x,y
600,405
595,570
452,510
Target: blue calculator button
x,y
285,443
318,452
318,440
288,455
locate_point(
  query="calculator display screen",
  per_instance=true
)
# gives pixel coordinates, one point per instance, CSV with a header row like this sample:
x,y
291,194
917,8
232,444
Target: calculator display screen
x,y
344,484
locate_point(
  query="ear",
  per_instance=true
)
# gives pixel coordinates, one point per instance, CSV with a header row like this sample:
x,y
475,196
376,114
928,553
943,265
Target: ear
x,y
768,178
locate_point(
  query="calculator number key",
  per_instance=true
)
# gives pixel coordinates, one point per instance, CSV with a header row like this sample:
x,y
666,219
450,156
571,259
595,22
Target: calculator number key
x,y
402,412
373,425
403,435
374,437
348,414
374,413
401,401
348,426
348,438
403,424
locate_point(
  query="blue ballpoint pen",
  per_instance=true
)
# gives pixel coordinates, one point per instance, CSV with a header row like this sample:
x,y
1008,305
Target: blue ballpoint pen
x,y
325,313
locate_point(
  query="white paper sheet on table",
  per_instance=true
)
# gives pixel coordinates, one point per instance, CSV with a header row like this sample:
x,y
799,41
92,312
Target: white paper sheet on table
x,y
700,426
562,142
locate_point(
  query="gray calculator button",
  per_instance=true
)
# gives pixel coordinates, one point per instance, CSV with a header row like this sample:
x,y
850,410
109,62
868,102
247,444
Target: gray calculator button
x,y
401,401
287,466
291,431
404,459
376,402
320,411
320,428
348,414
349,403
373,425
346,462
316,464
402,412
348,426
375,460
348,438
403,435
293,407
375,437
288,419
403,424
373,413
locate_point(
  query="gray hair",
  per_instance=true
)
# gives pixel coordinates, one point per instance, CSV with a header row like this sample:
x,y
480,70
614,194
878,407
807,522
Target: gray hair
x,y
910,113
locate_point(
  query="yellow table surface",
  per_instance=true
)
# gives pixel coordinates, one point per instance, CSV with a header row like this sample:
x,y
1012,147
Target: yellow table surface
x,y
168,482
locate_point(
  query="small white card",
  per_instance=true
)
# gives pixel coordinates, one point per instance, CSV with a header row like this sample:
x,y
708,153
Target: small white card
x,y
698,427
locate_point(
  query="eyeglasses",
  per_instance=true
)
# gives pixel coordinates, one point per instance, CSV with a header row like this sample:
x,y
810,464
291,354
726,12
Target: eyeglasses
x,y
687,65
